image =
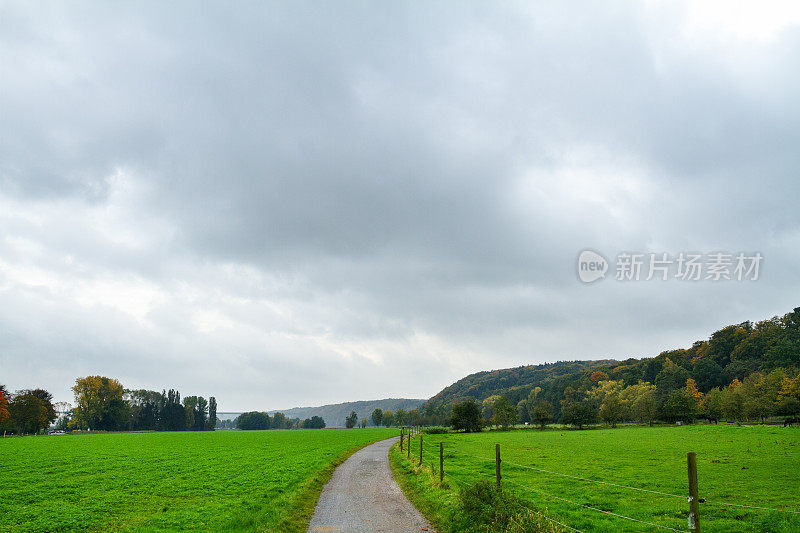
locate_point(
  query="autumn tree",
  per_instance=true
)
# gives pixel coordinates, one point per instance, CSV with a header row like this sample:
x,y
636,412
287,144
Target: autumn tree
x,y
606,396
4,414
788,398
363,423
487,407
640,402
99,403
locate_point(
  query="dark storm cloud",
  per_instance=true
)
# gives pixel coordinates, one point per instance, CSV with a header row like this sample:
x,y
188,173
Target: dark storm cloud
x,y
323,190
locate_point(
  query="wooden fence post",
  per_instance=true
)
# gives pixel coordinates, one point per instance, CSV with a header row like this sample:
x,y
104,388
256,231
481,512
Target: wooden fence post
x,y
441,462
497,463
694,498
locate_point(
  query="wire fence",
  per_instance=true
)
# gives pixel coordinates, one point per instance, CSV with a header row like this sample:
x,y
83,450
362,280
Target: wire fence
x,y
460,469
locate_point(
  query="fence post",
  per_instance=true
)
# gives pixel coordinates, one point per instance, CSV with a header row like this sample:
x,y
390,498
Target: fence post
x,y
694,498
441,462
497,463
420,449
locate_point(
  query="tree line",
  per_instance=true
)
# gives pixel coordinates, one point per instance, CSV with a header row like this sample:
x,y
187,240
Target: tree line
x,y
261,420
743,372
756,398
103,404
386,418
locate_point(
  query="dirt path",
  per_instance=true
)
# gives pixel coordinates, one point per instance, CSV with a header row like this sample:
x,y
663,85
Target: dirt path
x,y
362,496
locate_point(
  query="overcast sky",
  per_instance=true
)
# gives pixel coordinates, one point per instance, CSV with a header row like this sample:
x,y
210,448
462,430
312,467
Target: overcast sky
x,y
292,203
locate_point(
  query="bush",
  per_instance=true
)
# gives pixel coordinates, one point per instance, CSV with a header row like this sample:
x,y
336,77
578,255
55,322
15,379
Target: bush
x,y
435,430
487,508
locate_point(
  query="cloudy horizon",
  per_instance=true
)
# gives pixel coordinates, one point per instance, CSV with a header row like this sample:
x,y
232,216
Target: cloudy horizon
x,y
296,204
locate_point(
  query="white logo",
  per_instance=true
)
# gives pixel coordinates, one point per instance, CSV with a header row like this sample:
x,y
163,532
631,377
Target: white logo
x,y
591,266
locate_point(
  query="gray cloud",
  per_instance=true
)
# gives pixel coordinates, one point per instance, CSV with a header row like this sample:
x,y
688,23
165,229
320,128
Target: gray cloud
x,y
288,204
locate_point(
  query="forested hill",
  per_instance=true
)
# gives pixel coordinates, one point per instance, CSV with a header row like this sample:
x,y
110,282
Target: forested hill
x,y
335,414
735,352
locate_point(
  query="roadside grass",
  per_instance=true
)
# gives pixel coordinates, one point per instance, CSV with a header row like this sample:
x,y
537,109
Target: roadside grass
x,y
746,465
455,506
220,481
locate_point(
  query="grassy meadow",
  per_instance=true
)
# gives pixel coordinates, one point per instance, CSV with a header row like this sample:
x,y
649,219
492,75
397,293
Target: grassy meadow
x,y
218,481
748,465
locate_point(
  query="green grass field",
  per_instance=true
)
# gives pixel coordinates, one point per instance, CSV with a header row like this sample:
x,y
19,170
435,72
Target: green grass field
x,y
753,465
224,480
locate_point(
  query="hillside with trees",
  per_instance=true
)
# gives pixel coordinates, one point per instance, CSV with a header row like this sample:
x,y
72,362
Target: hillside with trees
x,y
748,371
335,415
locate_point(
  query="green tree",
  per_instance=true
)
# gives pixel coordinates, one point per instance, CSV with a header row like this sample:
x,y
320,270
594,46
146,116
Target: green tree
x,y
579,414
351,420
708,374
400,417
505,414
212,413
678,407
672,377
466,416
317,422
523,412
712,405
611,410
253,420
542,413
377,416
388,418
733,402
29,413
279,421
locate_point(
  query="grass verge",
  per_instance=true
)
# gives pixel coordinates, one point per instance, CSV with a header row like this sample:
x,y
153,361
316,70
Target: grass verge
x,y
303,508
475,507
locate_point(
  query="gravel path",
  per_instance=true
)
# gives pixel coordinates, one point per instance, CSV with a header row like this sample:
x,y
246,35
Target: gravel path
x,y
362,496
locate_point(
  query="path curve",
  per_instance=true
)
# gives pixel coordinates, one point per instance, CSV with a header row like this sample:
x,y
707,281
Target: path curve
x,y
362,496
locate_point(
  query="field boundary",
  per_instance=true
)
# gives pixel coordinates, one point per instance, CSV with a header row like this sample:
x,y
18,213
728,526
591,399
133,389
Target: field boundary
x,y
416,441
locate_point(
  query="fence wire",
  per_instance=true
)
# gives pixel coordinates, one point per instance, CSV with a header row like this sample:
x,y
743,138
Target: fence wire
x,y
434,447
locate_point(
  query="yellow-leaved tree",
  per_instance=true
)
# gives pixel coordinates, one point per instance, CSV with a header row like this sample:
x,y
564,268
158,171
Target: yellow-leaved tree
x,y
99,404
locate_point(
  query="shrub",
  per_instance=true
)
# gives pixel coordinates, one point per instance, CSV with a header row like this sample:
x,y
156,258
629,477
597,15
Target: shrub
x,y
435,430
487,508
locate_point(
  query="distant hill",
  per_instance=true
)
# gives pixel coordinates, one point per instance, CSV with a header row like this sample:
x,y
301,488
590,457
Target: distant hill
x,y
335,414
735,352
